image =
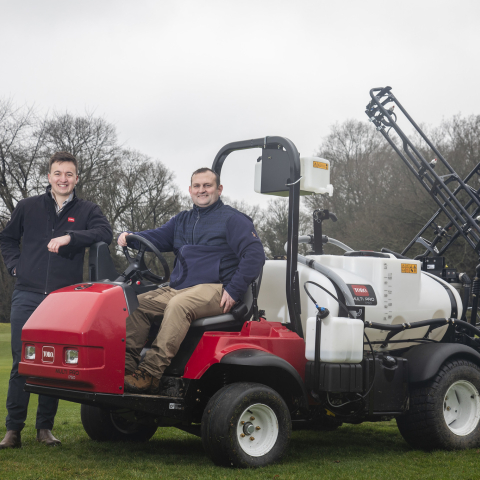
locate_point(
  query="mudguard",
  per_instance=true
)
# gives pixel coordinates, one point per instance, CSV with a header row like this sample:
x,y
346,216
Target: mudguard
x,y
250,357
424,361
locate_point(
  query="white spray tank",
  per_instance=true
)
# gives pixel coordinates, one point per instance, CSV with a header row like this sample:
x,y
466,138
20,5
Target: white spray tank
x,y
341,338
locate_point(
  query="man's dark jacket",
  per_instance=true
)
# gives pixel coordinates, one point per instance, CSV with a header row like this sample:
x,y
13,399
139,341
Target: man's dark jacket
x,y
214,244
35,222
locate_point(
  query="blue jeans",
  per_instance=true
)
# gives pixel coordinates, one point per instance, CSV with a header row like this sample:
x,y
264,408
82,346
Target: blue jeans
x,y
23,305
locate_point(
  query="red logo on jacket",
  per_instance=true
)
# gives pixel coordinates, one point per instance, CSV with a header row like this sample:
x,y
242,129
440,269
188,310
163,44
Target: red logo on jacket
x,y
71,219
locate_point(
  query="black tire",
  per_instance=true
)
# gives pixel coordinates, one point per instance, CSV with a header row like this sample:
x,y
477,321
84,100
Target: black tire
x,y
106,425
266,420
443,412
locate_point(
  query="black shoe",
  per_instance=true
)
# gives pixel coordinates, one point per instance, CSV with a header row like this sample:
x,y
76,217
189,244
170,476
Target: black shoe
x,y
13,439
45,436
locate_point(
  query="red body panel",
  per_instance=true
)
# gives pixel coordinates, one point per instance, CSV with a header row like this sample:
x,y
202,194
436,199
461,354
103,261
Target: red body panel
x,y
90,319
269,337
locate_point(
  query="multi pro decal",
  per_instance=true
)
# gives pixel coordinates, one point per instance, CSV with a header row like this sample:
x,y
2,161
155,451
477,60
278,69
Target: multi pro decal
x,y
363,294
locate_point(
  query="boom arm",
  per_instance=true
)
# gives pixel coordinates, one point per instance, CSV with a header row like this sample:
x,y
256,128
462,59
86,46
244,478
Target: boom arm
x,y
462,214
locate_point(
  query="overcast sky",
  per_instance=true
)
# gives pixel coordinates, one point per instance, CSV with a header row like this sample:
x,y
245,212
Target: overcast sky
x,y
180,79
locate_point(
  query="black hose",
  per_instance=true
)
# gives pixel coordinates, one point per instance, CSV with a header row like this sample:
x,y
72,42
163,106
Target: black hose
x,y
424,323
326,291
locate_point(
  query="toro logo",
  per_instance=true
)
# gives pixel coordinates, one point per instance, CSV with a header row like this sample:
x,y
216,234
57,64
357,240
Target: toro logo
x,y
363,294
360,290
48,354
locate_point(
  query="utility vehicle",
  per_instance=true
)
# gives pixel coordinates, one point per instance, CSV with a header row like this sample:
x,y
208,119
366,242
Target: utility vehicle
x,y
318,341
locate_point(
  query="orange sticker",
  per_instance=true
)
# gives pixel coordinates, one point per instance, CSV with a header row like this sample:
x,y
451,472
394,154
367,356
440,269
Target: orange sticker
x,y
409,268
322,165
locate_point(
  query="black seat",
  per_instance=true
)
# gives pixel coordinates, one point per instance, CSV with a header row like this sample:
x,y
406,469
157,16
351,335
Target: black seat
x,y
239,314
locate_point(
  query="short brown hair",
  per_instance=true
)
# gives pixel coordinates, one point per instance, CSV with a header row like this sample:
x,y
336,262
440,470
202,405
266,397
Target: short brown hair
x,y
205,170
60,157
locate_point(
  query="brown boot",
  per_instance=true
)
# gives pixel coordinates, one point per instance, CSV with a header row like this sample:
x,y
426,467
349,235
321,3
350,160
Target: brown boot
x,y
140,381
13,439
45,436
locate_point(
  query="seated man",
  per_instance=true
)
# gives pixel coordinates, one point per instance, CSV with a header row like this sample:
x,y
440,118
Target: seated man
x,y
218,255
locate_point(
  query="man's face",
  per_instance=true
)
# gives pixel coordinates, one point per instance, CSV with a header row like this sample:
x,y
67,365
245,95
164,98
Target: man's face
x,y
204,190
63,178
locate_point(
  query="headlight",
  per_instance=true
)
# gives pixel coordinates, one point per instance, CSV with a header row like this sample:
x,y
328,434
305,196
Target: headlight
x,y
29,352
71,356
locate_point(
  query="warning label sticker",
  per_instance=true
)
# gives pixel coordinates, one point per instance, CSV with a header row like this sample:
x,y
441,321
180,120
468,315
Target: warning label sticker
x,y
363,294
322,165
409,268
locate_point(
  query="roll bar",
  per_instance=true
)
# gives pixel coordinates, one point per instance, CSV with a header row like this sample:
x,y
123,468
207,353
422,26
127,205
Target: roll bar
x,y
293,183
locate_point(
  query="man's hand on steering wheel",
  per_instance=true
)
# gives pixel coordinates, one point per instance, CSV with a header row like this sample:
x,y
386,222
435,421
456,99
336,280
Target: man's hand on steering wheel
x,y
137,266
122,239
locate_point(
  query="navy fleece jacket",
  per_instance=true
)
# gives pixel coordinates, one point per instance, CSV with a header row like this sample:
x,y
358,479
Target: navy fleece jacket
x,y
34,223
214,244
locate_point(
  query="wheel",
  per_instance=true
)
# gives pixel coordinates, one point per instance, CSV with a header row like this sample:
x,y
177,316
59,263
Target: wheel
x,y
246,425
136,264
445,412
103,425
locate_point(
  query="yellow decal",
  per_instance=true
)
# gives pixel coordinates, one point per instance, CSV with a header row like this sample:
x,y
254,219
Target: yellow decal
x,y
331,414
409,268
322,165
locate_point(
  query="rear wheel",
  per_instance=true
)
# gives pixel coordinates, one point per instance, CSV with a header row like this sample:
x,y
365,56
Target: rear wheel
x,y
114,425
445,412
246,425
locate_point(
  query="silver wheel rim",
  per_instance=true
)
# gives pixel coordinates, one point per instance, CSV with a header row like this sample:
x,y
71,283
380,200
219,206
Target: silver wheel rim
x,y
461,408
257,430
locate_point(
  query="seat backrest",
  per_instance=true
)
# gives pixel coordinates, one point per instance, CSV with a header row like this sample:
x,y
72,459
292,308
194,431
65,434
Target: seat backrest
x,y
100,263
239,314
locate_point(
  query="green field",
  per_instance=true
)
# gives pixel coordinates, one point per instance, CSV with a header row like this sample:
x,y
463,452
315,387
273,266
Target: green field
x,y
368,451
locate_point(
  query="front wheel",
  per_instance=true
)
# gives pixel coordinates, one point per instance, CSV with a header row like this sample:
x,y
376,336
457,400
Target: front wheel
x,y
445,412
246,425
114,425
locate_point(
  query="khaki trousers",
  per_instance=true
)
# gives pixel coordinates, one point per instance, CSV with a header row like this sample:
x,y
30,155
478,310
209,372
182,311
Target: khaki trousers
x,y
174,310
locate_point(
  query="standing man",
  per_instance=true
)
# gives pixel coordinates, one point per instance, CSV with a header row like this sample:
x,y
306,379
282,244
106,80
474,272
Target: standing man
x,y
54,229
218,255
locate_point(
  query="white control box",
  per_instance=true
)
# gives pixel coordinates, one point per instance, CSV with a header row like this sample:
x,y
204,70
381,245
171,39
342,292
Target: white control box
x,y
315,178
315,172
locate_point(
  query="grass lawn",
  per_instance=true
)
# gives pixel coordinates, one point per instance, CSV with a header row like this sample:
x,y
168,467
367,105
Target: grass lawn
x,y
369,451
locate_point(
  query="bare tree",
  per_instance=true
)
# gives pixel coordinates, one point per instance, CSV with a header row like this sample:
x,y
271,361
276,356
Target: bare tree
x,y
142,193
21,141
273,226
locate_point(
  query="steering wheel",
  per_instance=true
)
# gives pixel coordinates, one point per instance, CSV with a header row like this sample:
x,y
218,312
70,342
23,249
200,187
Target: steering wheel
x,y
136,264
